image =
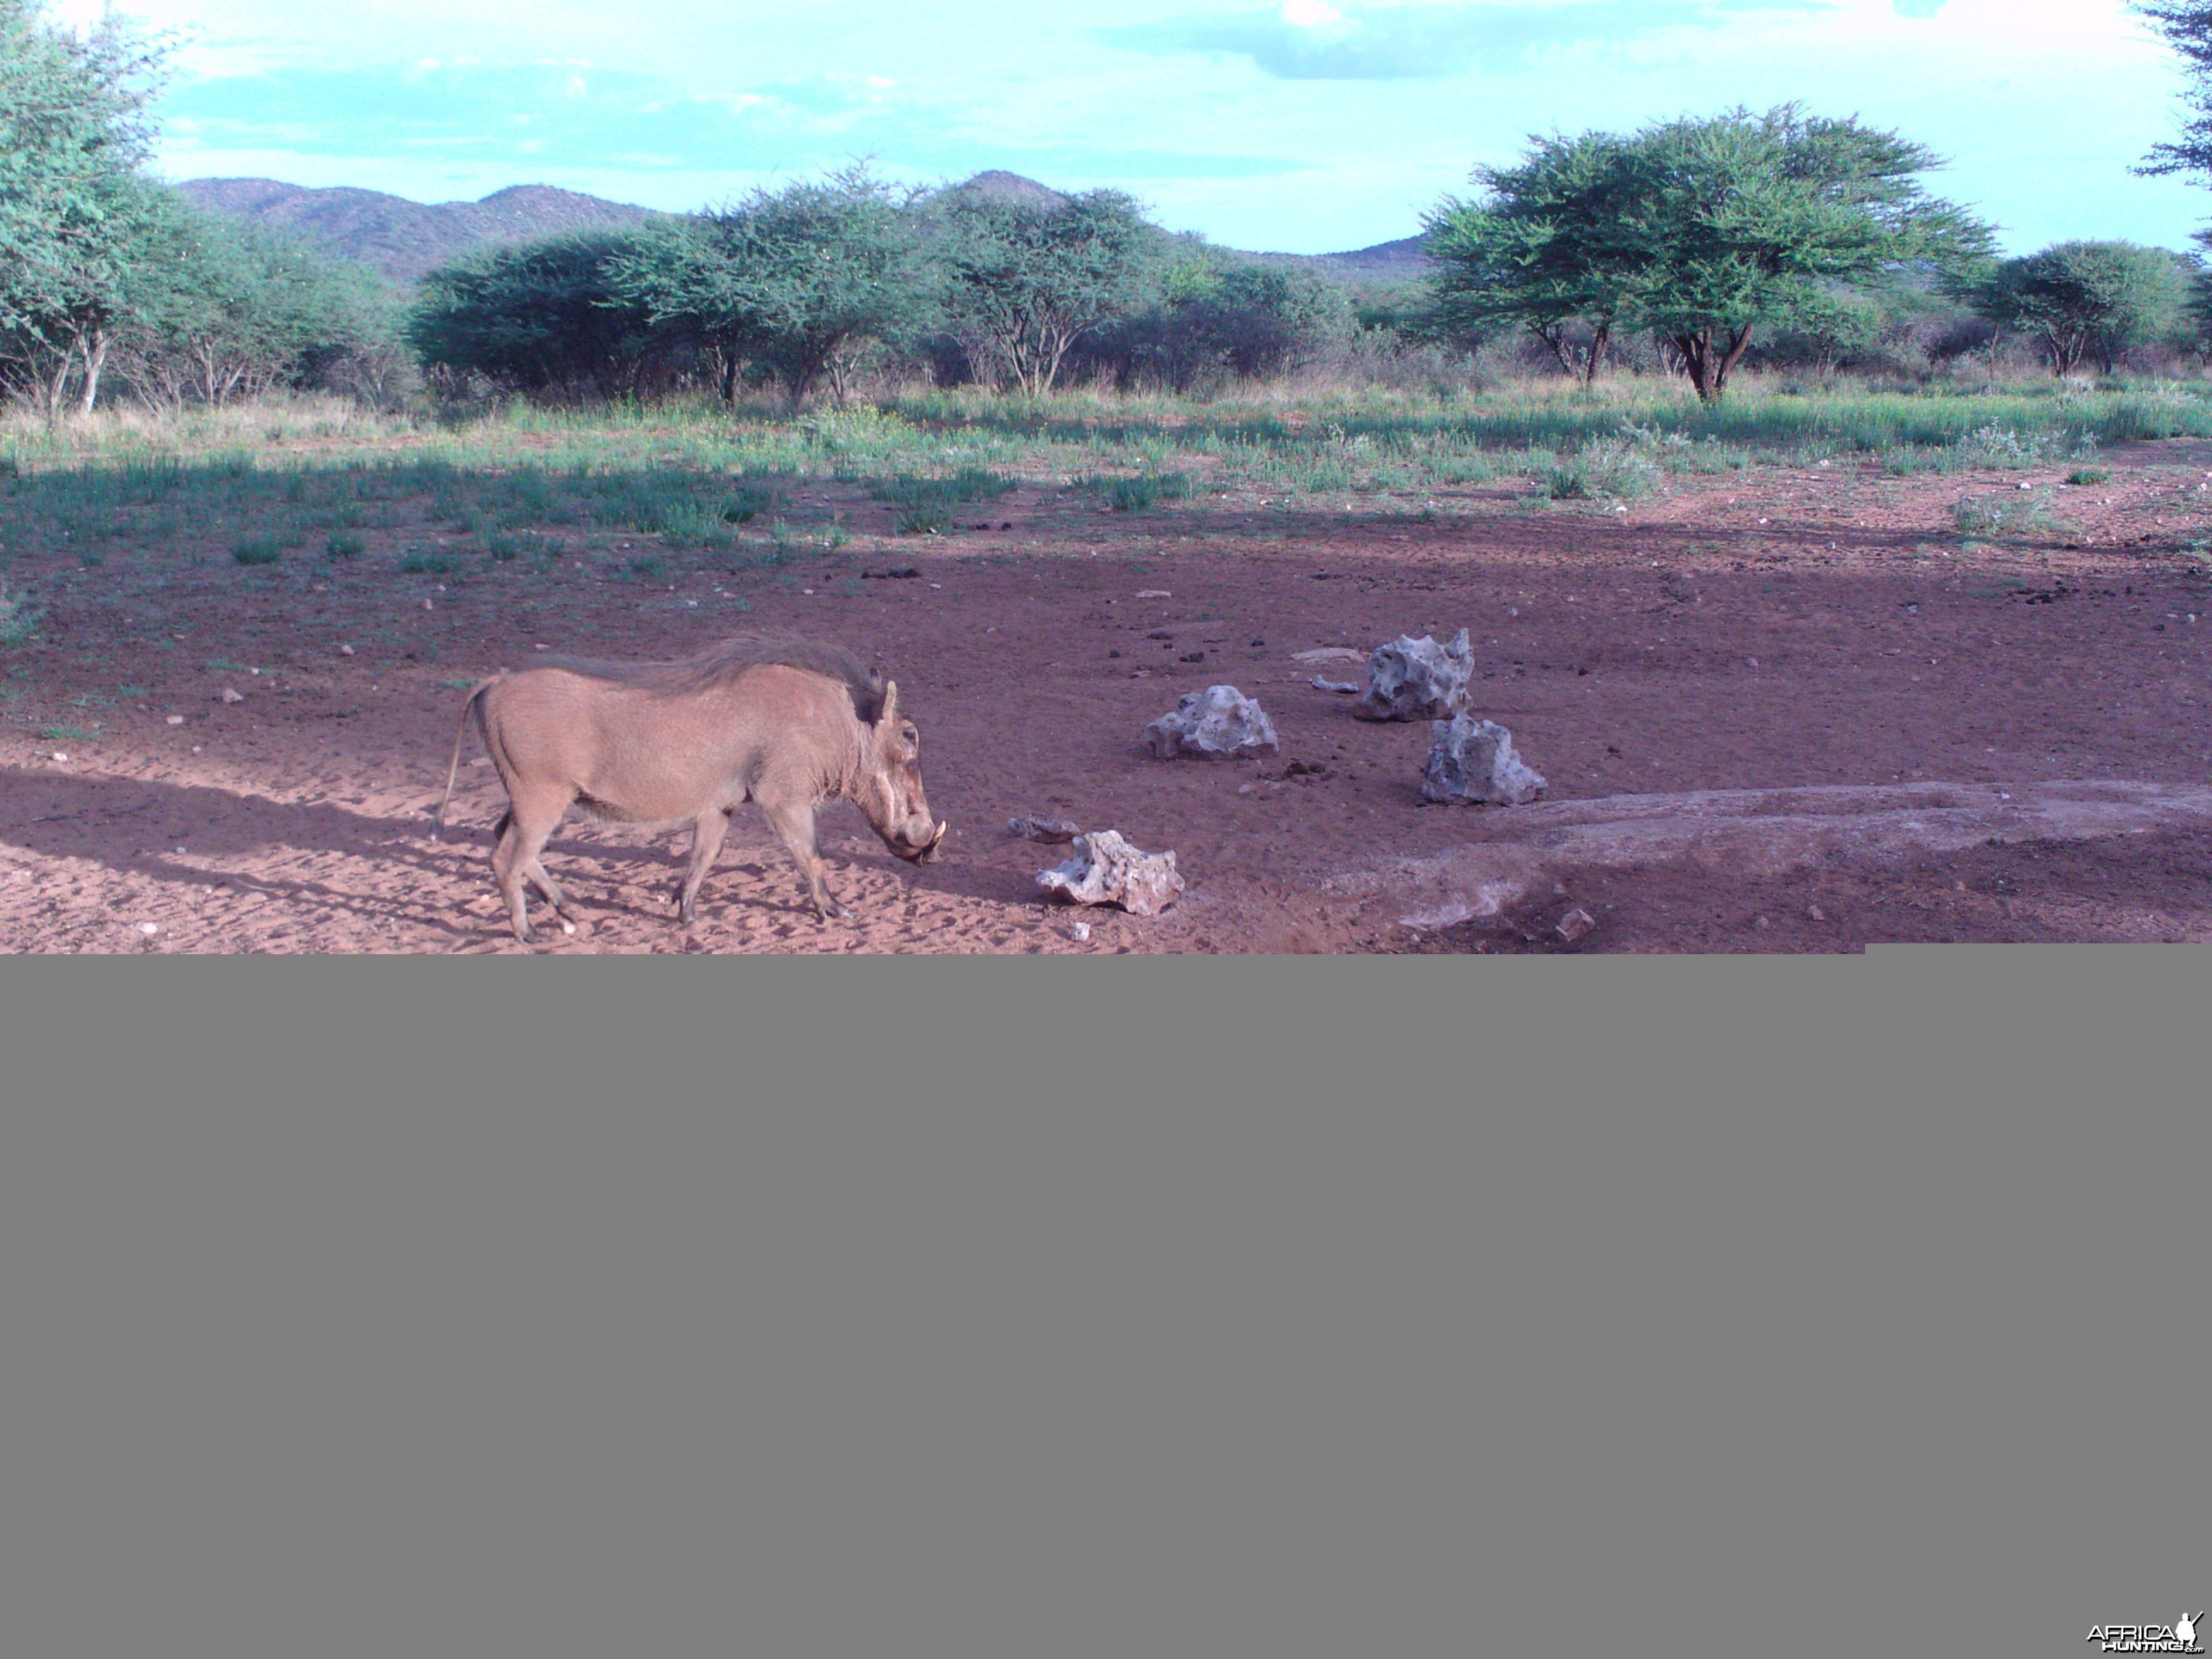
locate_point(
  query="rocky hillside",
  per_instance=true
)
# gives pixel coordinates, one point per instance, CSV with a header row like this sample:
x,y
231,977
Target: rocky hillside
x,y
402,239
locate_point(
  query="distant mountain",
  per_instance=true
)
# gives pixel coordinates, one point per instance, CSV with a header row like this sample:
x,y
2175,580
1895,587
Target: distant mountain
x,y
404,240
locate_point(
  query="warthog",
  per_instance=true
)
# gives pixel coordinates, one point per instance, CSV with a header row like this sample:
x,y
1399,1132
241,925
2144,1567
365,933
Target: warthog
x,y
785,723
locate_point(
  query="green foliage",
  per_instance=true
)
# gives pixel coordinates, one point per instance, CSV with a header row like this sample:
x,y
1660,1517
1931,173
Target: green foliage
x,y
1553,243
2088,299
547,318
2187,26
1703,232
924,506
424,564
73,134
346,544
788,282
1217,314
2089,475
226,310
257,549
1125,494
19,622
1023,282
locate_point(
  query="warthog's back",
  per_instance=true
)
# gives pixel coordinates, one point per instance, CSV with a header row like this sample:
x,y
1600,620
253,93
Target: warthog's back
x,y
642,749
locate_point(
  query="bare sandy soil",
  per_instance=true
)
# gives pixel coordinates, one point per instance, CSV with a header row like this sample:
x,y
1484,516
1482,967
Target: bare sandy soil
x,y
1777,711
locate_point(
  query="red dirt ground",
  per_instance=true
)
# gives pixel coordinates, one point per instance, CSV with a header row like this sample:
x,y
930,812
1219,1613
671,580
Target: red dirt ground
x,y
1761,632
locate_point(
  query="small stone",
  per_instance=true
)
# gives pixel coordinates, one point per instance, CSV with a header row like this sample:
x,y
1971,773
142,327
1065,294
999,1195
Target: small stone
x,y
148,929
1108,869
1575,924
1218,720
1154,593
1760,922
1329,653
59,755
347,650
1078,931
1341,687
1472,763
567,927
1048,830
176,720
426,605
231,696
1816,912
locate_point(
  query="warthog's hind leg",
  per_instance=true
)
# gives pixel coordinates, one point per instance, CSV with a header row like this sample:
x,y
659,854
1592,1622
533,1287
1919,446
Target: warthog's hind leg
x,y
529,824
795,824
707,833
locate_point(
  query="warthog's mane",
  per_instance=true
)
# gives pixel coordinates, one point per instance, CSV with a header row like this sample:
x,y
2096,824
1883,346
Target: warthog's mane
x,y
718,665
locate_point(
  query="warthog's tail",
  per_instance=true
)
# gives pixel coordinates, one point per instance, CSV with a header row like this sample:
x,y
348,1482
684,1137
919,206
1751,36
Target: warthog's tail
x,y
470,710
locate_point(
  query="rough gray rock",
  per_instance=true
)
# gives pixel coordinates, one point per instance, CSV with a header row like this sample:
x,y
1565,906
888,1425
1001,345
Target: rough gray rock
x,y
1218,720
1043,828
1411,679
1345,686
1472,763
1107,870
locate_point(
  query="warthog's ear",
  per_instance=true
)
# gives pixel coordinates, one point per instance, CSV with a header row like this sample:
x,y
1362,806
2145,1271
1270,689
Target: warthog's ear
x,y
890,703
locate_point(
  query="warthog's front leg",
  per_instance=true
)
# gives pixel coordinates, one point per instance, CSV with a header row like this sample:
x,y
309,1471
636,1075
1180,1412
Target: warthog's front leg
x,y
707,832
795,824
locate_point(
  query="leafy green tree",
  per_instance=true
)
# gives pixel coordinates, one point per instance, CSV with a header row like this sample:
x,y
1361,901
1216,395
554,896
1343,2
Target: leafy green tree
x,y
545,317
73,134
222,309
2188,29
1023,282
1220,313
2092,300
1548,248
789,281
1702,231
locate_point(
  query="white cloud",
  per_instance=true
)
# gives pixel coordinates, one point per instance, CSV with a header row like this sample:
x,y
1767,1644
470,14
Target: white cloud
x,y
1309,14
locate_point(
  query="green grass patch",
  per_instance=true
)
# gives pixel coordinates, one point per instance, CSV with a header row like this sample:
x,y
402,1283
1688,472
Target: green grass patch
x,y
2089,475
345,544
256,549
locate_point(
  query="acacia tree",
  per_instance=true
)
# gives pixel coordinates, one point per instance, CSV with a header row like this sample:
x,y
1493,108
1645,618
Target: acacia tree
x,y
2188,29
1542,249
222,309
1703,231
544,317
1742,220
1023,282
2092,300
73,133
788,280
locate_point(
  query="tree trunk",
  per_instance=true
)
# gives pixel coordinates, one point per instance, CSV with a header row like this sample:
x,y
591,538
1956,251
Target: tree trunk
x,y
95,359
1696,361
1599,342
1737,347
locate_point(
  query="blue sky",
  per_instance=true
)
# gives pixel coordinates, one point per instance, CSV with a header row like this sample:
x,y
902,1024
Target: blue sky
x,y
1305,126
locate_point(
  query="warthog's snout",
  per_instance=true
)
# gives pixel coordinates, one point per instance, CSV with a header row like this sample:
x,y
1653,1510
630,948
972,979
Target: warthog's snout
x,y
918,844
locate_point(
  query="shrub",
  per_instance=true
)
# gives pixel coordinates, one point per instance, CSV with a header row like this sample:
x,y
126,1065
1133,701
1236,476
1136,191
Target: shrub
x,y
2089,475
19,622
346,544
256,549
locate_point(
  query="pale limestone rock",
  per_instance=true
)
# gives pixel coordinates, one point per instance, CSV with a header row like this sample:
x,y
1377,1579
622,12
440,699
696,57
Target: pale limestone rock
x,y
1411,679
1106,870
1218,720
1472,763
